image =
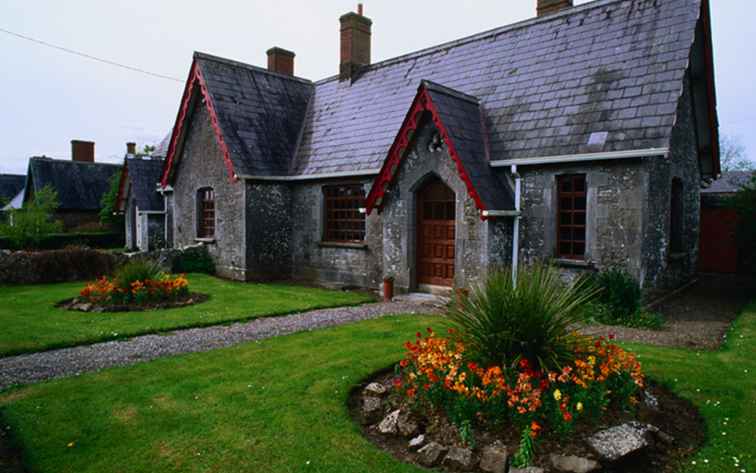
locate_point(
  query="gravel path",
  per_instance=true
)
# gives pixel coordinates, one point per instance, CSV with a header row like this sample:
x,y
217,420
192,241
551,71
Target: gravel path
x,y
34,367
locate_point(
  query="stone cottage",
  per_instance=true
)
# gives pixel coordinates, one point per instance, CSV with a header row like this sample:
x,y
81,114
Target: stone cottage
x,y
580,136
80,183
143,207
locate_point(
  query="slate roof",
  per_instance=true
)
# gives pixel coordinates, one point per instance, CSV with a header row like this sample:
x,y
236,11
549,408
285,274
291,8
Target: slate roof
x,y
144,176
11,185
546,85
462,117
80,186
729,183
260,113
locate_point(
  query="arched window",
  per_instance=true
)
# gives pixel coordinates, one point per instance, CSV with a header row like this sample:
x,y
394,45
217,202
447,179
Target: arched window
x,y
206,213
676,217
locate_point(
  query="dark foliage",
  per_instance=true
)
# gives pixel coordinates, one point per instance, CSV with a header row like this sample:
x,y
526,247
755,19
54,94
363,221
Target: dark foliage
x,y
194,260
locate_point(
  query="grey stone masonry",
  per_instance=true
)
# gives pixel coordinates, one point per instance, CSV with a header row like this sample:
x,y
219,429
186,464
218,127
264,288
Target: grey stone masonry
x,y
202,165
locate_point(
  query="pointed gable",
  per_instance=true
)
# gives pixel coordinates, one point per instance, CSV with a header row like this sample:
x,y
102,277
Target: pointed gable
x,y
256,115
459,121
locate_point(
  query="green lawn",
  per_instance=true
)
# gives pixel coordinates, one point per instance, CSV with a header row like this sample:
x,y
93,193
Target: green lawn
x,y
30,322
279,406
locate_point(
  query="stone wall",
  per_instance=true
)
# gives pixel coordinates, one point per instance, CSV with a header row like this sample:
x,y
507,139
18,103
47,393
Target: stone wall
x,y
664,269
201,165
268,231
614,220
332,264
479,244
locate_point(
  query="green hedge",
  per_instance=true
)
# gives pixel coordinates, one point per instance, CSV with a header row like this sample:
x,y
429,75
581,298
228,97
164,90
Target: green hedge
x,y
61,240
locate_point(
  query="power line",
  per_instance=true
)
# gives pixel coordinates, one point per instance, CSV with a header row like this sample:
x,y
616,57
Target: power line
x,y
89,56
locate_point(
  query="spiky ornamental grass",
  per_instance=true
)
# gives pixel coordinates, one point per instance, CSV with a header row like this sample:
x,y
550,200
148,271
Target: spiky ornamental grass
x,y
501,322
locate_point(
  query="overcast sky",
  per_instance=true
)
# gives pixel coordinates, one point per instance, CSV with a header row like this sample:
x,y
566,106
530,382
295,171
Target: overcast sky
x,y
48,97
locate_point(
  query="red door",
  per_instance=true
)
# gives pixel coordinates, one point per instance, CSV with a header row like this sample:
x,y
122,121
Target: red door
x,y
718,251
435,234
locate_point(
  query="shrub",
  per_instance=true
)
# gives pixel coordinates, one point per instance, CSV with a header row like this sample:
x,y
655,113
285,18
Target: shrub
x,y
56,241
69,264
501,322
136,270
619,291
32,224
619,302
194,260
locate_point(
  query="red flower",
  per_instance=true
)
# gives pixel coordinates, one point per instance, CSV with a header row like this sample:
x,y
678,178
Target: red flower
x,y
419,335
430,330
403,363
524,363
567,416
611,336
397,383
472,366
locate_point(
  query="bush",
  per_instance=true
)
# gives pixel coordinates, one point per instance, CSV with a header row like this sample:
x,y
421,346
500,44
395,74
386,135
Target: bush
x,y
69,264
193,260
619,291
57,241
619,302
501,322
136,270
33,223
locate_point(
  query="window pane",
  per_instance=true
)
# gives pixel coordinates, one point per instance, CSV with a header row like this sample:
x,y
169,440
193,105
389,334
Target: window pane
x,y
579,218
580,203
566,185
579,184
566,203
565,218
343,220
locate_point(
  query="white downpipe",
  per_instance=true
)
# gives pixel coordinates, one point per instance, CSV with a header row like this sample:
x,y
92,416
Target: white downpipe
x,y
516,229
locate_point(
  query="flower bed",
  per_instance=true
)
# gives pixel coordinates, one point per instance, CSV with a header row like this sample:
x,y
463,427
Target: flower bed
x,y
111,295
107,291
435,376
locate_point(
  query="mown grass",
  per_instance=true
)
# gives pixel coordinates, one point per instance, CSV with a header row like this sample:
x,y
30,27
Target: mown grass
x,y
279,405
30,322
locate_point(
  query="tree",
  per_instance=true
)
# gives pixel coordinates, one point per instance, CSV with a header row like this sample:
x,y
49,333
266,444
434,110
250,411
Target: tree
x,y
109,214
732,155
30,225
148,150
744,203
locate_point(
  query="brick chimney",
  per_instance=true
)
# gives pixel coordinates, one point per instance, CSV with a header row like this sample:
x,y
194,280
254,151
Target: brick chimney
x,y
547,7
281,61
82,151
131,149
355,43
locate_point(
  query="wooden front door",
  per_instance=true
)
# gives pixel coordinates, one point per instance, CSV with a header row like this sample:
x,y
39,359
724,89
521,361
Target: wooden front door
x,y
718,247
435,234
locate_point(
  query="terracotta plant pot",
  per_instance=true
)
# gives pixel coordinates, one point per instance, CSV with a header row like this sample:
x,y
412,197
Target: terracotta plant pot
x,y
388,289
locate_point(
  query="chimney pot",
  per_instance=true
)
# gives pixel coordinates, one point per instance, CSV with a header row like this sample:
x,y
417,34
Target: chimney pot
x,y
548,7
131,148
360,9
281,61
355,43
82,151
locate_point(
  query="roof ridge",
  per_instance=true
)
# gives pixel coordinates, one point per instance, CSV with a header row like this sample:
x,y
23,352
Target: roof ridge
x,y
64,160
479,36
234,63
435,86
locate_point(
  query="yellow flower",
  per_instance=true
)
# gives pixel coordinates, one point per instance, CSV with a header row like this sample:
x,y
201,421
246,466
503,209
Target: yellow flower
x,y
579,407
557,395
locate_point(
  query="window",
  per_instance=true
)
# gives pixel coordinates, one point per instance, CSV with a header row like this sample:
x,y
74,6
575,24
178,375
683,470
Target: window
x,y
206,213
571,216
343,220
676,217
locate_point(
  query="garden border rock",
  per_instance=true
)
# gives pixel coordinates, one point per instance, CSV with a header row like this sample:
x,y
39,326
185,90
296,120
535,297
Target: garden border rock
x,y
77,305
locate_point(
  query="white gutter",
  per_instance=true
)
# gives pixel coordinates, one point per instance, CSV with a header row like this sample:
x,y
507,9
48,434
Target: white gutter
x,y
516,229
501,213
151,212
312,177
576,158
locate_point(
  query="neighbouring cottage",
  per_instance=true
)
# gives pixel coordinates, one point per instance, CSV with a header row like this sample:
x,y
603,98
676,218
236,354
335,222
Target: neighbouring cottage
x,y
581,136
140,202
79,182
720,248
11,193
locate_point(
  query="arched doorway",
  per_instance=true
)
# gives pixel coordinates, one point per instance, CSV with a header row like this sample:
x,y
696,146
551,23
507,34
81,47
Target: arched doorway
x,y
435,234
